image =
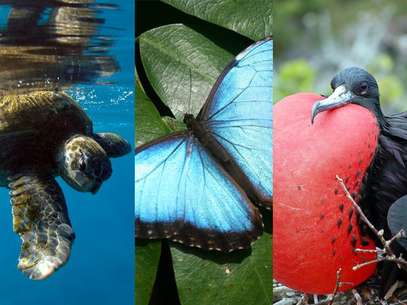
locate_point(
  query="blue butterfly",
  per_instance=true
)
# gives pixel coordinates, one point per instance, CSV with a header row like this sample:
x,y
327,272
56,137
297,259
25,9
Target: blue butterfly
x,y
197,187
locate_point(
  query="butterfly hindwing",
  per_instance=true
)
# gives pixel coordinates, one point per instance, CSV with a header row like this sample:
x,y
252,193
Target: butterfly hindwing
x,y
184,195
239,114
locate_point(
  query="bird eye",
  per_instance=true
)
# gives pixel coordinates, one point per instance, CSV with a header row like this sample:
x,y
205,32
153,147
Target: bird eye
x,y
363,88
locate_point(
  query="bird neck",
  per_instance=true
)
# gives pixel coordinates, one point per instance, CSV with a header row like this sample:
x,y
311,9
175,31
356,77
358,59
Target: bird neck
x,y
374,106
381,118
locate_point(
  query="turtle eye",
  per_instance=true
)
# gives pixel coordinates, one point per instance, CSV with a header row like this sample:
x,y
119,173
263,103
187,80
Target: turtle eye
x,y
363,88
82,164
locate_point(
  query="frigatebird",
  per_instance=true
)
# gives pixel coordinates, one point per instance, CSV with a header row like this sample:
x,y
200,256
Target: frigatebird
x,y
385,182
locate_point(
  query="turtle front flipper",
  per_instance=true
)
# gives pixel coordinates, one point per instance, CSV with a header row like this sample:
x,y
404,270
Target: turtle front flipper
x,y
40,218
113,144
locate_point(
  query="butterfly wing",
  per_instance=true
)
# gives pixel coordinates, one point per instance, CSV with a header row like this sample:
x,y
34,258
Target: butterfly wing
x,y
184,195
239,114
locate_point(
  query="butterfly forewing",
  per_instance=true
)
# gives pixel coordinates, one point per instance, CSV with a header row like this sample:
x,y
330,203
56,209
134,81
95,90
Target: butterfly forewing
x,y
239,114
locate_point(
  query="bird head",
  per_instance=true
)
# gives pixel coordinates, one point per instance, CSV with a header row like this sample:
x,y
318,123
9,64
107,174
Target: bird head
x,y
351,85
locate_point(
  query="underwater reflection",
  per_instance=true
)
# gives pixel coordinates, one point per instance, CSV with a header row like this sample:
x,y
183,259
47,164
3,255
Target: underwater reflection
x,y
52,44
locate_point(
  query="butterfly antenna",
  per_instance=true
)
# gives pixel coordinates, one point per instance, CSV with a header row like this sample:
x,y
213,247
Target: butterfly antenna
x,y
190,91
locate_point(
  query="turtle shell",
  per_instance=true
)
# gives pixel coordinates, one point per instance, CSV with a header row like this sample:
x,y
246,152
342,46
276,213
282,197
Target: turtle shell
x,y
33,126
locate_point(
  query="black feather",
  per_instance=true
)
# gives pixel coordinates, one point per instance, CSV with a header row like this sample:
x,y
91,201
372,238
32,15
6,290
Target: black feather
x,y
386,179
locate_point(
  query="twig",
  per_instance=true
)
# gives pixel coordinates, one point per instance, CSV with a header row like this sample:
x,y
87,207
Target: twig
x,y
394,259
303,300
400,234
377,250
386,251
337,285
357,297
361,265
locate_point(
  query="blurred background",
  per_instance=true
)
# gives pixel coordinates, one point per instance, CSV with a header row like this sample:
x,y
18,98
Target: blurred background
x,y
317,38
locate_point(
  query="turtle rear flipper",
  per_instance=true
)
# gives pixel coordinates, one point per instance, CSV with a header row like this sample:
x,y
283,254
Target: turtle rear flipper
x,y
113,144
40,218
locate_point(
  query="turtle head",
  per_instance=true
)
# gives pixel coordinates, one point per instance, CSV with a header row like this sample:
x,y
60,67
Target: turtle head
x,y
83,163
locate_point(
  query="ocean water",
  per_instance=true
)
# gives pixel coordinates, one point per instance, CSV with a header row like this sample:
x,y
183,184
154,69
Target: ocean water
x,y
101,267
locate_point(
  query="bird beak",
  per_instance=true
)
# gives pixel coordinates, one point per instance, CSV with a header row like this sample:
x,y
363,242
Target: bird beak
x,y
340,97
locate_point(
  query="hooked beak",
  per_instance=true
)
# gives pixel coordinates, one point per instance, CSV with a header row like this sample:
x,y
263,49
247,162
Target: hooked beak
x,y
340,97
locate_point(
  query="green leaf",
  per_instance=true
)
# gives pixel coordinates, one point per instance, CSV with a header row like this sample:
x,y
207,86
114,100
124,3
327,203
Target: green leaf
x,y
149,124
238,278
147,259
252,19
182,66
174,124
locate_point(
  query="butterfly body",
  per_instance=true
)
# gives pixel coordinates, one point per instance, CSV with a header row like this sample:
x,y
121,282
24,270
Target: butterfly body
x,y
206,138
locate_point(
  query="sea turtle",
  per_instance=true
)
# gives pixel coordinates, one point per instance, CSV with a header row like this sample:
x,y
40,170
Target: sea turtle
x,y
45,134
